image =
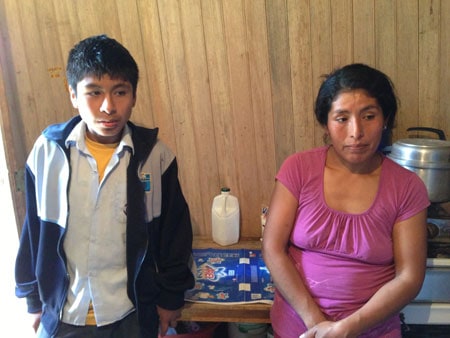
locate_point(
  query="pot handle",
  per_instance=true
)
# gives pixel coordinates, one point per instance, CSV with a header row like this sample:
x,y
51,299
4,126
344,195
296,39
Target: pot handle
x,y
439,132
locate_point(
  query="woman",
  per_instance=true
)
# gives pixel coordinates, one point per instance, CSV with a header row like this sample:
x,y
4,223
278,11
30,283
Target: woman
x,y
345,238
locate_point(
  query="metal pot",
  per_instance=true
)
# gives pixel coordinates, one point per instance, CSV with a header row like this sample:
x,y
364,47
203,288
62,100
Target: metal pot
x,y
430,160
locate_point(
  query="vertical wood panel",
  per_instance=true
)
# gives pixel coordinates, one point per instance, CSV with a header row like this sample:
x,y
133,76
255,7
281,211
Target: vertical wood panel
x,y
261,104
155,71
38,100
342,32
54,79
230,83
301,55
407,64
364,31
69,25
429,62
444,63
219,77
15,63
242,112
10,124
97,17
385,40
322,51
171,32
277,31
130,32
203,124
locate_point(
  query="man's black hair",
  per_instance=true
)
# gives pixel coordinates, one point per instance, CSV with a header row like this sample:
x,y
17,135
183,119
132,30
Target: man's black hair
x,y
99,55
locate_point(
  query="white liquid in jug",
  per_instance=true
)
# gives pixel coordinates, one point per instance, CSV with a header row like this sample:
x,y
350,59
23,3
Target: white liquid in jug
x,y
225,218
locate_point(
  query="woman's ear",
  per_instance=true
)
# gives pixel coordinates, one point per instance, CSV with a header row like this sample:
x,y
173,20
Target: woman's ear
x,y
387,122
73,97
326,134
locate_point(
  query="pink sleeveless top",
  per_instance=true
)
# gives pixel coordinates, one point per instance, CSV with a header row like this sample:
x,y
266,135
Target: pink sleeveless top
x,y
343,258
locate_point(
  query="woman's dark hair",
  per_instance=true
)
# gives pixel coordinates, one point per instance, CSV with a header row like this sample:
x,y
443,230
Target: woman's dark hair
x,y
357,76
100,55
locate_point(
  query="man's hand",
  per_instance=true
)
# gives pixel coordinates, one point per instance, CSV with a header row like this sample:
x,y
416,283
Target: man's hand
x,y
167,318
35,320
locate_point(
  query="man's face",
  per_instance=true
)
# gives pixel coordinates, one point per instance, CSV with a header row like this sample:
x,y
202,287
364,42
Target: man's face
x,y
105,105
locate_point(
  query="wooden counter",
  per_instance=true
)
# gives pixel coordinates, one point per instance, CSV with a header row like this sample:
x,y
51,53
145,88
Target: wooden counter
x,y
246,313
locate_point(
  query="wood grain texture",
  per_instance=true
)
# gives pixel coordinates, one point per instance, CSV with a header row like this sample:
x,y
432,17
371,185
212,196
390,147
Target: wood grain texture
x,y
230,84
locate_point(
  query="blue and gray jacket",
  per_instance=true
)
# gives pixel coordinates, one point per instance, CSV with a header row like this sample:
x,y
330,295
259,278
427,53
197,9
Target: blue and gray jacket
x,y
159,231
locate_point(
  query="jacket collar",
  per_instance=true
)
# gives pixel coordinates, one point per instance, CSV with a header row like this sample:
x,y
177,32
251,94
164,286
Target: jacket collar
x,y
143,138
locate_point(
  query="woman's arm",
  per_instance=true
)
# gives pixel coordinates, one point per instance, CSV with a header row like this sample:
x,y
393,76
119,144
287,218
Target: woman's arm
x,y
410,251
280,221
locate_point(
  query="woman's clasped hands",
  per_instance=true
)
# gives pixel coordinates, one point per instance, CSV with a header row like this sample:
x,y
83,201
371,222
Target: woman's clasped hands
x,y
327,329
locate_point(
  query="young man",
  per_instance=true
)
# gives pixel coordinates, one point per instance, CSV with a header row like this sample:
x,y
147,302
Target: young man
x,y
107,238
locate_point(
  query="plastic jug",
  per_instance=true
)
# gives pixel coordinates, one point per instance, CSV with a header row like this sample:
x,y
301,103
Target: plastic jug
x,y
225,218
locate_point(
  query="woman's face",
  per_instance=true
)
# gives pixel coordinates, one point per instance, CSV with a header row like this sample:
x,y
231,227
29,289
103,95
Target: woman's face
x,y
355,125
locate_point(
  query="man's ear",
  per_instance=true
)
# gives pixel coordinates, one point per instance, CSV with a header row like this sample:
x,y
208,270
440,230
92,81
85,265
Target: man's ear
x,y
73,97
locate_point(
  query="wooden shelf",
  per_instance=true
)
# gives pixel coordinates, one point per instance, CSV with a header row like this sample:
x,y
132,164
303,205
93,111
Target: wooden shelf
x,y
244,243
240,313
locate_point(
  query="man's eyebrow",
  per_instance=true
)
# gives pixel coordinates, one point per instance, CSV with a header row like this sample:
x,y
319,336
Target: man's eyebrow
x,y
94,85
91,85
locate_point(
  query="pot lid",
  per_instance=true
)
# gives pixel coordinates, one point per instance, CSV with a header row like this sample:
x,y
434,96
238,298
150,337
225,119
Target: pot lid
x,y
421,152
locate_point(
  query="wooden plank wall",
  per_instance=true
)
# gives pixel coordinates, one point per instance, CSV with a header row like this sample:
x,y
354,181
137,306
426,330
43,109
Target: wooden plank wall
x,y
230,83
